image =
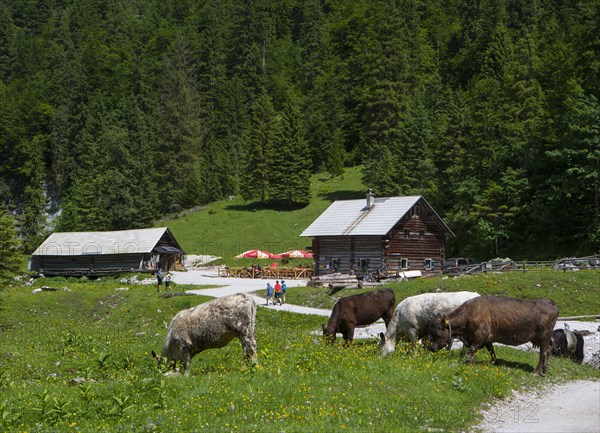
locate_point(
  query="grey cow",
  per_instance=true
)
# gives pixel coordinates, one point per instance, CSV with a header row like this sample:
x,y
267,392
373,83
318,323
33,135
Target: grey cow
x,y
209,326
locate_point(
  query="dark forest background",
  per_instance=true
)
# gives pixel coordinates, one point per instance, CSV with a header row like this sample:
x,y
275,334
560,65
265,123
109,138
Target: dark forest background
x,y
114,113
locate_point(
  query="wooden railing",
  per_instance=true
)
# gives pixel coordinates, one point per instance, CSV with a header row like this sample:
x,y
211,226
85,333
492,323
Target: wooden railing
x,y
272,273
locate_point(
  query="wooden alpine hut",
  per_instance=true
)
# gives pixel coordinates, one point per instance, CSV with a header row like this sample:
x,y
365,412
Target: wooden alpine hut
x,y
101,253
388,235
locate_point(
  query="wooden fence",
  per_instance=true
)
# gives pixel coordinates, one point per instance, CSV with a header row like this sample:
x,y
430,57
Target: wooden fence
x,y
566,264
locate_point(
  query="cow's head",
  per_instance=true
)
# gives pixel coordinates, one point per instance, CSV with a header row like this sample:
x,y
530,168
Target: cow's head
x,y
439,333
328,333
158,358
386,345
163,364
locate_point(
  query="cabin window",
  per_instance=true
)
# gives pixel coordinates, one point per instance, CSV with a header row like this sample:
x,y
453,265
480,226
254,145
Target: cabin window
x,y
428,264
363,264
421,234
334,264
406,234
404,264
415,211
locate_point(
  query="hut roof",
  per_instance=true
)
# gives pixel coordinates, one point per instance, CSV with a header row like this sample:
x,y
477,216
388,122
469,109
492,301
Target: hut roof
x,y
355,218
101,243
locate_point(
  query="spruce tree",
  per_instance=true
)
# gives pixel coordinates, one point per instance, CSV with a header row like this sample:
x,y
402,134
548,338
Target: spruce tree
x,y
290,174
337,154
10,248
261,139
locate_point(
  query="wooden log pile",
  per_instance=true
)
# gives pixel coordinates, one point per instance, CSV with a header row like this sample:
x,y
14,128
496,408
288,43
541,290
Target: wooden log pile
x,y
335,280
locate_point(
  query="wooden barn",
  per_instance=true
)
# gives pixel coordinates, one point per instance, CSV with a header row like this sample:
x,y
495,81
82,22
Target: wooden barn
x,y
388,235
101,253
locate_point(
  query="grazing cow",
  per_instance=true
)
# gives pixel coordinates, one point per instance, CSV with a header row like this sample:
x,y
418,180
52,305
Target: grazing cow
x,y
359,310
568,344
209,326
414,314
486,320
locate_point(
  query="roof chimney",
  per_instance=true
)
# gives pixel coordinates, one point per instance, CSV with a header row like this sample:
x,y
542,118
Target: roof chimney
x,y
370,199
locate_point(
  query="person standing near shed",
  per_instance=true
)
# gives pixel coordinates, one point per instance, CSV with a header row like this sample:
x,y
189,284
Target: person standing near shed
x,y
159,279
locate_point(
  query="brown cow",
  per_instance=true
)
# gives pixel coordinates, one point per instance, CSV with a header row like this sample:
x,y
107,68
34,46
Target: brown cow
x,y
359,310
486,320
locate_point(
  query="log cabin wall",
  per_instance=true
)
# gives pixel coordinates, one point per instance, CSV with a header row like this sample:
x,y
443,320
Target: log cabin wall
x,y
332,254
348,253
84,265
415,243
367,253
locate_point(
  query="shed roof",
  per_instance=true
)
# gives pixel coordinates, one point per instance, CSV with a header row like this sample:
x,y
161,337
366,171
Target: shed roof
x,y
353,218
102,243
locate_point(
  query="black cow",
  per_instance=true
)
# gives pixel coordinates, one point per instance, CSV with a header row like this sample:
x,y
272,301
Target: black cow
x,y
568,344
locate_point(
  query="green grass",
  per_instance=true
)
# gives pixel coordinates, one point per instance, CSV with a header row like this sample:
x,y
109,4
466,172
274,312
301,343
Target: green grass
x,y
575,293
301,385
227,228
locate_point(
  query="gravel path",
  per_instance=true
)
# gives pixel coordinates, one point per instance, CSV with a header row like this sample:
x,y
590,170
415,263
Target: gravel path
x,y
241,285
566,408
572,407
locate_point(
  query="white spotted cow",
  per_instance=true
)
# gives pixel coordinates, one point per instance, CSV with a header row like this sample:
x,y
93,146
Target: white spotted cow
x,y
414,314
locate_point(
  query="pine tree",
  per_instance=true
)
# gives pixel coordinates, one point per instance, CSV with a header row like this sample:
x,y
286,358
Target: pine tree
x,y
179,163
290,174
261,139
574,182
337,154
10,249
7,43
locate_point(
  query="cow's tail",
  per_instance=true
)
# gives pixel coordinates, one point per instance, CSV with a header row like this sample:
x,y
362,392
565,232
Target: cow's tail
x,y
249,343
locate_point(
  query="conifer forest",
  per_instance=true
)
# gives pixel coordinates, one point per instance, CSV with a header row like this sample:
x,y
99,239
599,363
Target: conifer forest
x,y
114,113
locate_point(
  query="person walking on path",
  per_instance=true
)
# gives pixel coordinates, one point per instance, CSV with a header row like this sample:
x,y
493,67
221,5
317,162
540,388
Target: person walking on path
x,y
269,293
283,290
278,292
159,279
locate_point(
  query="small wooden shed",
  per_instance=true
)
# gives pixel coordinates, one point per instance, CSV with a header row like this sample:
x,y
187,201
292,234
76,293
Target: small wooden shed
x,y
101,253
387,234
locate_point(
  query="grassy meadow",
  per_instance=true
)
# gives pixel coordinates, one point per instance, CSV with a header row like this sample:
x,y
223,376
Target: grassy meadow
x,y
229,227
79,361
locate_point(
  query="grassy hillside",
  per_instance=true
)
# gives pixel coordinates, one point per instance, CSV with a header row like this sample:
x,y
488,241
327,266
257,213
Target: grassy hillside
x,y
227,228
